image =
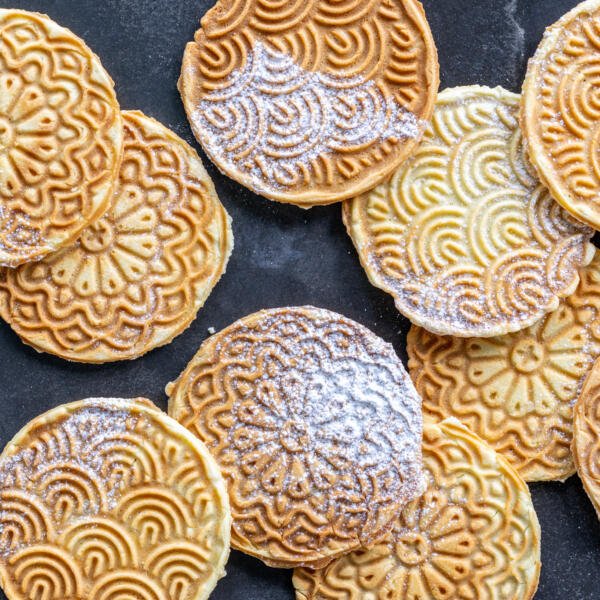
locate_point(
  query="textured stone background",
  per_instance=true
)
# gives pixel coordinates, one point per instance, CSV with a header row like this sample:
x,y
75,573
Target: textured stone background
x,y
283,255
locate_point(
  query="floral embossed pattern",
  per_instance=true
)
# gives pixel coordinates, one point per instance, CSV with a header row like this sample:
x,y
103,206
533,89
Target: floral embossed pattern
x,y
472,535
586,438
561,111
310,101
104,499
463,236
61,137
315,425
137,277
516,391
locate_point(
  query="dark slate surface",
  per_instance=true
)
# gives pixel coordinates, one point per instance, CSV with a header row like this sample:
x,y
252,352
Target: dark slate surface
x,y
283,255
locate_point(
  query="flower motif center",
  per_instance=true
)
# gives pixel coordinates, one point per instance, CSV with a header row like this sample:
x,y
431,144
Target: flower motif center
x,y
98,237
527,355
413,548
294,436
7,134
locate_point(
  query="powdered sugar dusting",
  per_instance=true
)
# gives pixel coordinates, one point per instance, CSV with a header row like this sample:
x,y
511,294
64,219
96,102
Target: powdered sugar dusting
x,y
64,458
274,119
315,409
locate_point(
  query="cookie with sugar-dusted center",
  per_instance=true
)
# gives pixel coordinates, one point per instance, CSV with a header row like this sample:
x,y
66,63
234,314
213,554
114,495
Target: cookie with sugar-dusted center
x,y
137,277
586,436
310,101
110,498
61,137
560,112
464,236
516,391
316,427
473,534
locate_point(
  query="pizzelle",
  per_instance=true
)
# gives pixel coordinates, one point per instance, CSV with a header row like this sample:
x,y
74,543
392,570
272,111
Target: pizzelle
x,y
463,235
560,111
473,534
316,427
61,137
310,101
138,276
109,498
516,391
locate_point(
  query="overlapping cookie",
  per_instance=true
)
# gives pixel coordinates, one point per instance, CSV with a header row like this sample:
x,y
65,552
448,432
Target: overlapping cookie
x,y
138,276
560,112
463,235
586,438
108,498
61,137
473,534
516,391
316,427
310,101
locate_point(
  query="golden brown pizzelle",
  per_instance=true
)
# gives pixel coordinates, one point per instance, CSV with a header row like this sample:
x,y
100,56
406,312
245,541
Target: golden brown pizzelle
x,y
472,535
61,137
310,101
138,276
516,391
559,112
110,498
464,236
316,427
586,437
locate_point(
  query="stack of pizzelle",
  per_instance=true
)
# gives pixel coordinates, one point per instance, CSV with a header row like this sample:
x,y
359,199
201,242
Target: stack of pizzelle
x,y
111,232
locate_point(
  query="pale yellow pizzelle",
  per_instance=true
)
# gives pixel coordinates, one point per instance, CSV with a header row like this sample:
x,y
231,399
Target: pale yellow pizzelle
x,y
61,137
473,534
310,101
586,438
138,276
464,236
315,425
516,391
110,498
560,111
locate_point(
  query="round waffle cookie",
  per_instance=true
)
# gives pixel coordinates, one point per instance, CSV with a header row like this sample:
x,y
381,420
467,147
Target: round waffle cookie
x,y
108,498
586,439
310,101
138,276
561,114
61,137
473,534
516,391
316,427
463,235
